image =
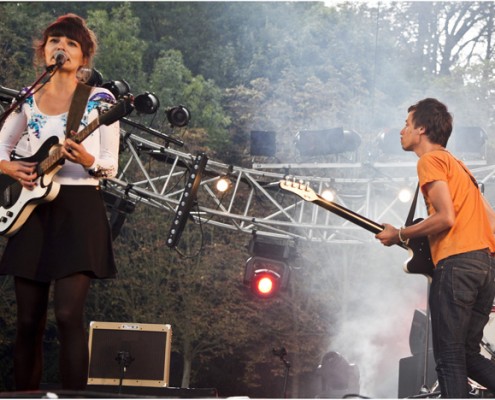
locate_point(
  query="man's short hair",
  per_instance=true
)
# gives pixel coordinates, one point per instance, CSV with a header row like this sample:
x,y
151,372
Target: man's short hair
x,y
435,118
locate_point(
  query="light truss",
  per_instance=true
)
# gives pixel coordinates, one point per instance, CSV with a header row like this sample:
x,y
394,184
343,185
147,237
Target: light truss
x,y
153,174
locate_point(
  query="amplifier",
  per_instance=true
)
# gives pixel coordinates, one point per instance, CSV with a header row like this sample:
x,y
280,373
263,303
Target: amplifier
x,y
129,354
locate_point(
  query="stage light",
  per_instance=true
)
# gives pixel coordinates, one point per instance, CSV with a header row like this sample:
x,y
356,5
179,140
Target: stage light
x,y
326,141
178,116
93,77
265,283
405,194
389,142
118,88
328,194
338,376
266,276
187,200
267,270
146,103
223,184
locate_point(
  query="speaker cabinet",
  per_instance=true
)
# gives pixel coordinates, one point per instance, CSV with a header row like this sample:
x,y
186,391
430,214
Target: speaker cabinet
x,y
414,372
129,354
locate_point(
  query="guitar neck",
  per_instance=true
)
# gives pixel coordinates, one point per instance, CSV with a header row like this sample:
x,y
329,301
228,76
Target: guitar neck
x,y
349,215
55,157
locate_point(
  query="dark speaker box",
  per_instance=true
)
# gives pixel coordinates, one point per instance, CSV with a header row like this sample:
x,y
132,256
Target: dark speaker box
x,y
263,143
412,374
129,354
320,142
420,333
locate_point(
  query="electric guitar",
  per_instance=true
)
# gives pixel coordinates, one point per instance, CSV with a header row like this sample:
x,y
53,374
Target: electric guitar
x,y
419,261
17,202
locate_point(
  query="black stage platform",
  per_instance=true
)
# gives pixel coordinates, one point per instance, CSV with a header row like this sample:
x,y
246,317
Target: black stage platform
x,y
108,392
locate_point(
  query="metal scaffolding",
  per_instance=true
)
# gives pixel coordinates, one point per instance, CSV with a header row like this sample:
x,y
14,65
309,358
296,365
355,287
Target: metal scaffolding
x,y
154,174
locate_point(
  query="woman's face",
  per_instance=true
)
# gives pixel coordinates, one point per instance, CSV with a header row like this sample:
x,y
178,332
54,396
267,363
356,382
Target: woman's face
x,y
71,48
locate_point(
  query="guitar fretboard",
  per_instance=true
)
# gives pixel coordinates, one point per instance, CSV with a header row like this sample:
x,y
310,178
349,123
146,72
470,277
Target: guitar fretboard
x,y
56,156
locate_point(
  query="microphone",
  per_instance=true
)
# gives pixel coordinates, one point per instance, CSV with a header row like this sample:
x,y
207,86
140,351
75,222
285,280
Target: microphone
x,y
60,58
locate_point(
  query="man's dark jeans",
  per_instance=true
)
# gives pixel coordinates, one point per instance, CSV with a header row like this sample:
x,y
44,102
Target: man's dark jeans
x,y
461,299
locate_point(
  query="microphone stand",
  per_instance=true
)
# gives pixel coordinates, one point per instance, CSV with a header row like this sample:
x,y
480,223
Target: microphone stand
x,y
282,353
124,359
21,97
425,388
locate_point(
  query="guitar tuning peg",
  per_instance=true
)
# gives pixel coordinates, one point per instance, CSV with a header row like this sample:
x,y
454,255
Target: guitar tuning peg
x,y
287,179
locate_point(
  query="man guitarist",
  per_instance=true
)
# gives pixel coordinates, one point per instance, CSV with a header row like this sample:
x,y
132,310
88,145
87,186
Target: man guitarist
x,y
459,227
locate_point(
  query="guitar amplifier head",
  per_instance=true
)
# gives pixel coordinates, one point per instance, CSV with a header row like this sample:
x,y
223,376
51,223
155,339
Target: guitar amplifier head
x,y
129,354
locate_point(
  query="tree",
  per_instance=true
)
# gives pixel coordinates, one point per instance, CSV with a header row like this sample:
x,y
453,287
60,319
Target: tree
x,y
121,51
173,81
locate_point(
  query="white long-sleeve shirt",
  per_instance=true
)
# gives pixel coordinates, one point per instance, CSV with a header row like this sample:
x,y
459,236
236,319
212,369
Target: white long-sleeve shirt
x,y
35,127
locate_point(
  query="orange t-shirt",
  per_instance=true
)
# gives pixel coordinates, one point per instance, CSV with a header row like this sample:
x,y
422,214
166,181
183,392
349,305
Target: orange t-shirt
x,y
471,229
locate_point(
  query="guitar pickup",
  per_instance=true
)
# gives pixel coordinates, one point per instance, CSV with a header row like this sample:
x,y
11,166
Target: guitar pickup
x,y
7,196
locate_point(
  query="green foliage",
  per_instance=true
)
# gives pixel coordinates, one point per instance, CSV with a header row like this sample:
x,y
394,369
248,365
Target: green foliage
x,y
172,81
121,51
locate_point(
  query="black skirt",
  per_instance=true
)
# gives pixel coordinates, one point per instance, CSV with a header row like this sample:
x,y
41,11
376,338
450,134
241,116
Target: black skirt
x,y
70,234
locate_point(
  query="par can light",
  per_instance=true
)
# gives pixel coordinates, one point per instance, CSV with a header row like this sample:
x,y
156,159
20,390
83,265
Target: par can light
x,y
146,103
178,116
118,88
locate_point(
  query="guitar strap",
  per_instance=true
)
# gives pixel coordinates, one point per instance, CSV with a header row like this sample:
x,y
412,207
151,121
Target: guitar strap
x,y
473,179
77,106
410,216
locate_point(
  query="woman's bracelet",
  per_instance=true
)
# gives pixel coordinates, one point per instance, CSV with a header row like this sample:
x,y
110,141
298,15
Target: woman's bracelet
x,y
403,241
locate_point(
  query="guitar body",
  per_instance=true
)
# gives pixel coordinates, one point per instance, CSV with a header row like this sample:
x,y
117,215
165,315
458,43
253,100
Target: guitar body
x,y
420,261
17,202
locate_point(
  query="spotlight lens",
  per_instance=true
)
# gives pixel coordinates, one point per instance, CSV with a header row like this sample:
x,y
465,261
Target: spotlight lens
x,y
328,194
265,285
118,88
147,103
178,116
222,185
405,195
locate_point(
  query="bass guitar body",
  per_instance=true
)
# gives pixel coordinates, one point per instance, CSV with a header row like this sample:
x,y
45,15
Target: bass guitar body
x,y
420,260
17,202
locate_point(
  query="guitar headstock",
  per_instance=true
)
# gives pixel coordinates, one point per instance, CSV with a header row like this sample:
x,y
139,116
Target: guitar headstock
x,y
110,113
300,188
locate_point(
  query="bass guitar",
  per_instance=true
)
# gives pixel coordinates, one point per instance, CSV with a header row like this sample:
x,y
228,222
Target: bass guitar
x,y
419,261
17,202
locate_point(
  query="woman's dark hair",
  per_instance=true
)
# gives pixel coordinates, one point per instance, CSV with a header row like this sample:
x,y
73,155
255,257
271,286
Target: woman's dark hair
x,y
435,118
73,27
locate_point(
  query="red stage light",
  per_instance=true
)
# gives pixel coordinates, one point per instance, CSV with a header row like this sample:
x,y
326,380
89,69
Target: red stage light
x,y
265,283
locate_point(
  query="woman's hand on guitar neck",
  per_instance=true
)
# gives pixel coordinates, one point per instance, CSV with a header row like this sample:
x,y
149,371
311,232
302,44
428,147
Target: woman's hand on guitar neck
x,y
22,171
